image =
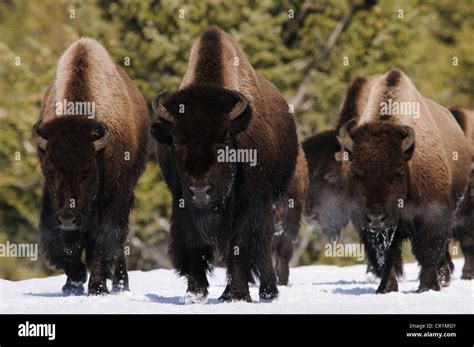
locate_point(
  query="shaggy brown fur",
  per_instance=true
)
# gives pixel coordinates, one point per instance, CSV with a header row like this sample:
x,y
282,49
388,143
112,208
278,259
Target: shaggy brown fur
x,y
99,181
407,177
227,206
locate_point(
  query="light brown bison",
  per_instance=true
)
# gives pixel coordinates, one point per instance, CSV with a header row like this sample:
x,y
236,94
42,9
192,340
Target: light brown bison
x,y
406,171
91,162
225,205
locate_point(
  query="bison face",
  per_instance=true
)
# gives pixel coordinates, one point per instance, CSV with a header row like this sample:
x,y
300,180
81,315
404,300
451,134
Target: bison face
x,y
377,172
327,204
198,121
68,150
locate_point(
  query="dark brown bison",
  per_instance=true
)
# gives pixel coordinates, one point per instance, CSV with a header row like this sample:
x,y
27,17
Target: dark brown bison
x,y
220,203
287,219
91,162
406,164
464,231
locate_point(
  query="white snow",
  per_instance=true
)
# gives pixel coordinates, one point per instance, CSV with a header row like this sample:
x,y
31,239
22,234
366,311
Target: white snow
x,y
313,289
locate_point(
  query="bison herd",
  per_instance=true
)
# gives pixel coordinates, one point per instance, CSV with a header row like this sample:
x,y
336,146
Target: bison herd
x,y
395,172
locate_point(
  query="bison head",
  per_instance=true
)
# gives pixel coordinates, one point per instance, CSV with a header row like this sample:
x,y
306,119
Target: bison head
x,y
377,171
68,148
327,204
198,121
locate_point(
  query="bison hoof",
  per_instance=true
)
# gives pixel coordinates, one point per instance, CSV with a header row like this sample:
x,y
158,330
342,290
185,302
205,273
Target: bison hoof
x,y
386,290
268,295
228,297
425,288
120,287
100,289
283,281
73,287
195,298
467,274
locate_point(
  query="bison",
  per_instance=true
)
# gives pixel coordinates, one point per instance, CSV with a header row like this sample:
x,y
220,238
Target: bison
x,y
406,171
91,163
220,203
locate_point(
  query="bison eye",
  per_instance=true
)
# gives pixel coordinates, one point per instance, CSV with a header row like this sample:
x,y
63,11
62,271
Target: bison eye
x,y
227,141
400,172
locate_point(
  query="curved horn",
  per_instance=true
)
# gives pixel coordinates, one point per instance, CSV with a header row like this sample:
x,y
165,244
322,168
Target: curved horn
x,y
239,107
344,137
409,139
37,138
161,110
102,141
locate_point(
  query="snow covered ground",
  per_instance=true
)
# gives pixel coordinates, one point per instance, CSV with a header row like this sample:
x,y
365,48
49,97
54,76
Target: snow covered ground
x,y
313,289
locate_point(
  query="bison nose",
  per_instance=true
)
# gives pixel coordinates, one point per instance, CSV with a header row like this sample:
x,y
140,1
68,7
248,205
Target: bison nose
x,y
67,220
376,219
200,192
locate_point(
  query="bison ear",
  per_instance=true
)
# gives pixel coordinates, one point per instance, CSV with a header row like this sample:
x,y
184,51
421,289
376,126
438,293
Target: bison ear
x,y
100,136
160,110
239,115
408,143
161,131
38,137
344,136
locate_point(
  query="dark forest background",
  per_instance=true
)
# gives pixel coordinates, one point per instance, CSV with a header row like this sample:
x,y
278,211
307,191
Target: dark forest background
x,y
301,46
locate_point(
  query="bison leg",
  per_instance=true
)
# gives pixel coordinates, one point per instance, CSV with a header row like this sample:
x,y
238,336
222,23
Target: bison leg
x,y
120,276
76,276
264,266
191,257
429,247
467,246
238,273
388,282
446,269
284,252
98,264
284,243
64,251
198,260
238,287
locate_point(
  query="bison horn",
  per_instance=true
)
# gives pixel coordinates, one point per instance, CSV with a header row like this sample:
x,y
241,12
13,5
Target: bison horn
x,y
102,141
37,138
239,107
161,110
409,139
344,137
